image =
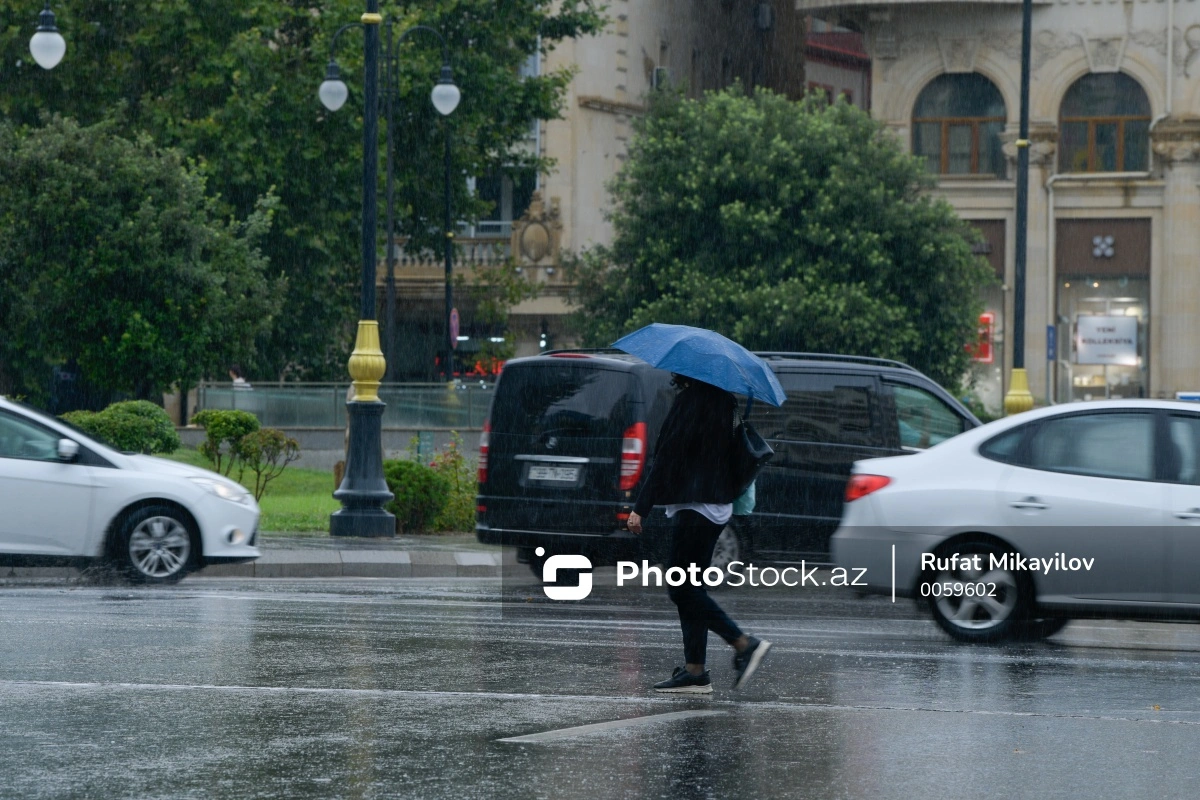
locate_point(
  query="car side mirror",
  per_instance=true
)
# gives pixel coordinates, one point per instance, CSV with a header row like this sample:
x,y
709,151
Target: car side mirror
x,y
67,450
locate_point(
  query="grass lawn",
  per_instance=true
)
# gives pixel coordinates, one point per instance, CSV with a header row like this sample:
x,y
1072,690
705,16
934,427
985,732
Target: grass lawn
x,y
298,501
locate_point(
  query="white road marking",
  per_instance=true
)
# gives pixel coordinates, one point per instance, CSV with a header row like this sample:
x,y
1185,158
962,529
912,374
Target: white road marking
x,y
616,724
733,705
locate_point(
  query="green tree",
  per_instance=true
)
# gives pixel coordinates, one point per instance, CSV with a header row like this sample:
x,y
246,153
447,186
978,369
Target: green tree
x,y
114,258
232,83
785,226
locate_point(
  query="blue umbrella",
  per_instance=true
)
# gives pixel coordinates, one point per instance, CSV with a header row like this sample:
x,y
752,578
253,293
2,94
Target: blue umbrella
x,y
706,356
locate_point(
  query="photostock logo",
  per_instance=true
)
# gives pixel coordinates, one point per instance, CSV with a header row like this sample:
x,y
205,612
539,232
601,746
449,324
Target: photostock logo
x,y
550,575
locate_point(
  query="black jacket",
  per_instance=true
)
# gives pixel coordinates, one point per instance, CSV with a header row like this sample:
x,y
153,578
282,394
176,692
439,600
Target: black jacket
x,y
691,456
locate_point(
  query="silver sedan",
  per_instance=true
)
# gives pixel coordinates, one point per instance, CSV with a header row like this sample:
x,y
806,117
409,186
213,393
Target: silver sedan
x,y
1012,529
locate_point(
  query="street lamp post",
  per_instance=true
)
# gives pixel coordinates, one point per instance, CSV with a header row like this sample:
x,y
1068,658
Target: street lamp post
x,y
449,243
364,491
1018,398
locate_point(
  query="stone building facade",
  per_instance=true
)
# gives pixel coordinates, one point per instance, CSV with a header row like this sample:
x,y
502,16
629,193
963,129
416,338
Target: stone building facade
x,y
695,45
1113,260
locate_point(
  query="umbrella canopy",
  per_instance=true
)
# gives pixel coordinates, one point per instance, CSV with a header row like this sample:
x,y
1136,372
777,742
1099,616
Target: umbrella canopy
x,y
706,356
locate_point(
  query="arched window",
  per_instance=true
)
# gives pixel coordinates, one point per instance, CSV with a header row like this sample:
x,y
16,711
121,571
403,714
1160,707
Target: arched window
x,y
957,123
1104,125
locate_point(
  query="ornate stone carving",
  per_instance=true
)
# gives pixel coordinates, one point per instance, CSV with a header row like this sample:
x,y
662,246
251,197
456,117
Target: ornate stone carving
x,y
1043,145
1176,140
537,234
958,54
1105,53
1008,43
884,43
888,48
1191,39
1048,45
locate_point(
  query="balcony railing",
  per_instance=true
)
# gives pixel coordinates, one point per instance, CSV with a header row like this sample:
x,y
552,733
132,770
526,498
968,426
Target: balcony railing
x,y
470,251
461,406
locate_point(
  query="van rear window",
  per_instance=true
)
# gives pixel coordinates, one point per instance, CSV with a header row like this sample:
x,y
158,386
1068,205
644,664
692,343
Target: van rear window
x,y
567,400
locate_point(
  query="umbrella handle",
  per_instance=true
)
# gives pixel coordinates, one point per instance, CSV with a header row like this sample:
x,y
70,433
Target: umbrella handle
x,y
749,405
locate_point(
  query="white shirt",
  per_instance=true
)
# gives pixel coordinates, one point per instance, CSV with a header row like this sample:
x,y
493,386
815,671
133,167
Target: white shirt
x,y
716,513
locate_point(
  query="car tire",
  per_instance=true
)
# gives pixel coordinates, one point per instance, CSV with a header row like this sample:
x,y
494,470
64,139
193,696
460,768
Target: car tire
x,y
979,620
535,561
732,545
155,544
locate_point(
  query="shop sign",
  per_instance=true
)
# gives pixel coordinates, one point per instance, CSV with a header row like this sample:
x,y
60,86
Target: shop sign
x,y
981,350
1106,340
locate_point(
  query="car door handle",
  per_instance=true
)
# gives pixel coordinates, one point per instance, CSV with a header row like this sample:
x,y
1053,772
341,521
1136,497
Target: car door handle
x,y
1191,513
1029,504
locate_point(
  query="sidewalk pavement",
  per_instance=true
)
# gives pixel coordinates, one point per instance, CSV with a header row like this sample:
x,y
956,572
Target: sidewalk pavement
x,y
283,556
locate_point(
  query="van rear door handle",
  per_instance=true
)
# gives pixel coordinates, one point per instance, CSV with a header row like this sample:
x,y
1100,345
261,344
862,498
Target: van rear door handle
x,y
1029,504
1191,513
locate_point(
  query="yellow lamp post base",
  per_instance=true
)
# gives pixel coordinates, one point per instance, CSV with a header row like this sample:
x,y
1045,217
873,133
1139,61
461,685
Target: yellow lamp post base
x,y
1018,398
367,365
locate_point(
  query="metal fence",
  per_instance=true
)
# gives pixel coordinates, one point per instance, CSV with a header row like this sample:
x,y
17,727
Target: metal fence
x,y
462,406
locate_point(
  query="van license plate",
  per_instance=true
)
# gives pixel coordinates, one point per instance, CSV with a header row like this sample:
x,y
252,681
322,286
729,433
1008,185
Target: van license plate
x,y
557,474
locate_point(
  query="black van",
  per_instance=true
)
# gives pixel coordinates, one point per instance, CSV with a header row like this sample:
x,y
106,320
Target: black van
x,y
570,434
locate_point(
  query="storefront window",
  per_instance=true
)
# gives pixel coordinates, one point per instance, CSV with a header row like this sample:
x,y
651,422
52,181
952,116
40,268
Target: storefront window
x,y
1102,337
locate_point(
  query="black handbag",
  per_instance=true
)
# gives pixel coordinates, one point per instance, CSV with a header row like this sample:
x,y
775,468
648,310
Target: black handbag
x,y
750,452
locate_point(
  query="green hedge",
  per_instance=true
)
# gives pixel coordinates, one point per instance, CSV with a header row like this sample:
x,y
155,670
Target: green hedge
x,y
420,494
131,426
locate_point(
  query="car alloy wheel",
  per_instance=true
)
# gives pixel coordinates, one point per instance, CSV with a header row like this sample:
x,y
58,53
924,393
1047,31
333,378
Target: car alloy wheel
x,y
156,545
977,605
727,549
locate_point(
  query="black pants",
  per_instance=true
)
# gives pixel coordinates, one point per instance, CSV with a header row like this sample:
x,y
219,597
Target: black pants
x,y
692,540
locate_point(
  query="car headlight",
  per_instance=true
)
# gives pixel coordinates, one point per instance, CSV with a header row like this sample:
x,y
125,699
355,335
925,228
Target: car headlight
x,y
225,491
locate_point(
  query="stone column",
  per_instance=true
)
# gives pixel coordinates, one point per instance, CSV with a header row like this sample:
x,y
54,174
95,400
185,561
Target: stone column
x,y
1175,276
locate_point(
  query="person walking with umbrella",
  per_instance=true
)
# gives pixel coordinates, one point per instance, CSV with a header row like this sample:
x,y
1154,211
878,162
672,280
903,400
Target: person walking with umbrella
x,y
691,476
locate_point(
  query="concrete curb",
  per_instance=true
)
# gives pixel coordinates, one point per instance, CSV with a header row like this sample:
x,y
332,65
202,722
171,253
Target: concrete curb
x,y
362,564
349,563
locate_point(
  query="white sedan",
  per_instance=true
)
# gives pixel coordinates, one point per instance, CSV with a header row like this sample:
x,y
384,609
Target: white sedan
x,y
66,497
1011,529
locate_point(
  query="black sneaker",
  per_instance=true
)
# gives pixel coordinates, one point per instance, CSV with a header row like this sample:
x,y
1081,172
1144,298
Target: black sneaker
x,y
745,663
684,682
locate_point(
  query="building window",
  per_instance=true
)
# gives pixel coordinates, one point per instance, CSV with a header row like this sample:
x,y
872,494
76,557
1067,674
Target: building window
x,y
510,194
1104,125
823,89
957,123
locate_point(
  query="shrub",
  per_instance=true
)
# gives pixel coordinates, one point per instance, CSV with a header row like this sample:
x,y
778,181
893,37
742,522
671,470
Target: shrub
x,y
420,494
223,430
459,471
165,439
266,453
136,426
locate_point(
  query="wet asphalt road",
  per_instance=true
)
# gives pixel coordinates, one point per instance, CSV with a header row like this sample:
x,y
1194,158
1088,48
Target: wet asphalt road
x,y
402,688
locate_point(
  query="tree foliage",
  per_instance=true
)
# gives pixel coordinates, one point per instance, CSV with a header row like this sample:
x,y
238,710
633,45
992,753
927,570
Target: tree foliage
x,y
785,226
232,83
115,259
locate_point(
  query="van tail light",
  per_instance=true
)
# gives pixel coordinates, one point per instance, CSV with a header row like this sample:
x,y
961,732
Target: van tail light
x,y
633,455
483,450
863,485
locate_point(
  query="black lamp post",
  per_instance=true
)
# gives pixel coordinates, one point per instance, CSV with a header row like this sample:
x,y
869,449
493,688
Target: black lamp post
x,y
364,491
1018,398
448,230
